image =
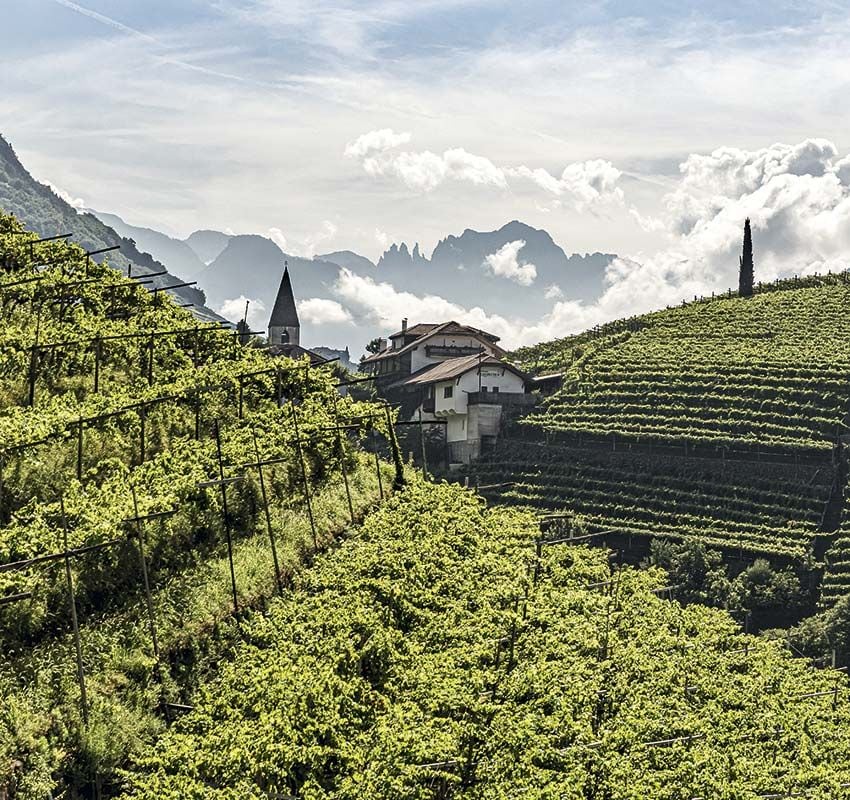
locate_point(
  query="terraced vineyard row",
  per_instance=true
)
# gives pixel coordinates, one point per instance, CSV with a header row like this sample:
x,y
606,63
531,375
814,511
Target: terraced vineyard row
x,y
158,478
442,653
836,580
774,369
776,511
724,421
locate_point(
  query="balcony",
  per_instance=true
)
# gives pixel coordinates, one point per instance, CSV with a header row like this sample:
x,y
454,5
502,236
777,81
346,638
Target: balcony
x,y
451,351
502,399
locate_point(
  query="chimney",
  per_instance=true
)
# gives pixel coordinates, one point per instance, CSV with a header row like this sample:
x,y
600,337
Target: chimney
x,y
404,325
382,345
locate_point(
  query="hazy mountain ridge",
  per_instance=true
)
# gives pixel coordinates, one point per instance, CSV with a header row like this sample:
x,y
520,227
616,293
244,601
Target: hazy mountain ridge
x,y
252,265
208,245
457,270
176,253
42,210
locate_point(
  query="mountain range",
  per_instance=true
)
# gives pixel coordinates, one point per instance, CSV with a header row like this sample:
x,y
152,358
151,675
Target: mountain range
x,y
516,271
232,266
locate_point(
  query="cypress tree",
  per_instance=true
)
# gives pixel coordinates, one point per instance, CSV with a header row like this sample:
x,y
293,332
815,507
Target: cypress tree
x,y
745,278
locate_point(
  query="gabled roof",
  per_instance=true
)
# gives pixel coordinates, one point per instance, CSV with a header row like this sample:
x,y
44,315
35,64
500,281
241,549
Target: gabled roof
x,y
424,328
284,313
416,330
447,328
453,368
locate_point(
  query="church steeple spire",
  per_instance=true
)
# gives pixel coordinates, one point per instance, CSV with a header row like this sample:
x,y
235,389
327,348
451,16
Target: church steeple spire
x,y
284,327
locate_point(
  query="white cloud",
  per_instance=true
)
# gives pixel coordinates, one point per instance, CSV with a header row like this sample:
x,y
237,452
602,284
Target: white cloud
x,y
276,235
321,311
422,171
383,306
584,184
77,203
553,292
382,238
306,247
313,240
373,142
504,263
234,310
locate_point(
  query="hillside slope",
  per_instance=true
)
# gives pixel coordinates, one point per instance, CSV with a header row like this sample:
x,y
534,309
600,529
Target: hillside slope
x,y
38,207
179,255
443,653
158,480
722,420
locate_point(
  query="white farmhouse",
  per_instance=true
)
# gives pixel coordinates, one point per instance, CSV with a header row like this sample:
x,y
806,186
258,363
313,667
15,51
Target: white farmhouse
x,y
470,393
414,348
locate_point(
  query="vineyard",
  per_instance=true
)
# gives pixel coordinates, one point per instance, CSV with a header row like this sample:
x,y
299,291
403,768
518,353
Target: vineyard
x,y
160,478
217,580
446,651
721,420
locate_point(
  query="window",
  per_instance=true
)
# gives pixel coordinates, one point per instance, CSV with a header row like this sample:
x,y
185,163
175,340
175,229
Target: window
x,y
484,389
448,391
495,390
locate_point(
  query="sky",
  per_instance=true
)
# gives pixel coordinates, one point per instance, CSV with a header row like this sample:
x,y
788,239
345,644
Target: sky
x,y
643,129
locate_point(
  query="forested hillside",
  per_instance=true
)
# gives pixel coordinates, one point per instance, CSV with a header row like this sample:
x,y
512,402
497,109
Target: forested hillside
x,y
158,480
722,421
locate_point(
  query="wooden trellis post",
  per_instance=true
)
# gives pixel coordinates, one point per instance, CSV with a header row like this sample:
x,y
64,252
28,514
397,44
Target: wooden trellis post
x,y
97,348
150,359
422,446
374,435
81,676
140,538
80,449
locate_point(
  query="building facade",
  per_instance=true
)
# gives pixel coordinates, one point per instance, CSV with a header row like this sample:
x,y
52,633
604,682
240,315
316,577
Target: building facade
x,y
414,348
452,374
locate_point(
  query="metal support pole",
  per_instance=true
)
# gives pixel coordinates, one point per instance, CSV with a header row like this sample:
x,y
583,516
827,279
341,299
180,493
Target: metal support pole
x,y
267,514
342,467
227,530
140,534
307,499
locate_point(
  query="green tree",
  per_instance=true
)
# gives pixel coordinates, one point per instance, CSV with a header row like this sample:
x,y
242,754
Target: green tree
x,y
745,278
